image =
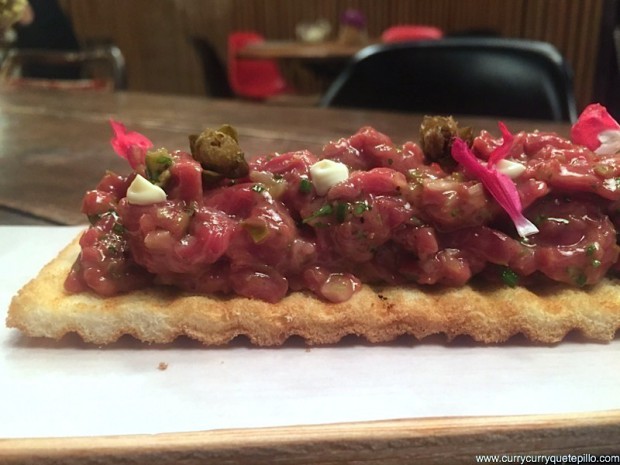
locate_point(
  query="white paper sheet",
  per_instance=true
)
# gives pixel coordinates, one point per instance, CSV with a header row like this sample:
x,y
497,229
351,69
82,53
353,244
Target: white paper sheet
x,y
68,388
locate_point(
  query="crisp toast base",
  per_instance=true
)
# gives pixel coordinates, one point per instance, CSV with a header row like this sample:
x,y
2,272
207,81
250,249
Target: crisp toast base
x,y
42,308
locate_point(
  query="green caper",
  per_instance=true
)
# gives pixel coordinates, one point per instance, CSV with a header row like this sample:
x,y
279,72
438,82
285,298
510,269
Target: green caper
x,y
218,151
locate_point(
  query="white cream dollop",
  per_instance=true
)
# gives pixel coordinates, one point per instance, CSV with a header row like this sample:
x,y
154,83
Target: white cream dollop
x,y
143,192
327,173
512,169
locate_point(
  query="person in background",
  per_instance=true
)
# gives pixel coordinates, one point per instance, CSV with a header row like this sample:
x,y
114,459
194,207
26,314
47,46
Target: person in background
x,y
44,26
13,11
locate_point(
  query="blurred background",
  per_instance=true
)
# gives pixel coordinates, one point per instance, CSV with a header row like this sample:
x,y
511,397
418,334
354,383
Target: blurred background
x,y
180,46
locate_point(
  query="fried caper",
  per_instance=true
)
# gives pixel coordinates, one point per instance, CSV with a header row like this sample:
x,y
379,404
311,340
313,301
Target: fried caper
x,y
218,151
436,136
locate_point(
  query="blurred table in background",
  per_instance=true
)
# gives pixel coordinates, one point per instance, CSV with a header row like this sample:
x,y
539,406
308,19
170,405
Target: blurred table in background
x,y
577,28
324,59
293,49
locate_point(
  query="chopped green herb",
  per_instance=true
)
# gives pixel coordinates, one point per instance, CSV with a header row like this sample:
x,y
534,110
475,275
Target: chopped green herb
x,y
341,212
305,186
258,188
360,207
596,263
509,277
118,228
157,163
577,276
164,160
591,249
325,210
390,161
581,280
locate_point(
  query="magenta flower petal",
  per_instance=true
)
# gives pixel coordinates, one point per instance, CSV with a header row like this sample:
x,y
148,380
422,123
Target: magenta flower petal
x,y
131,145
593,121
501,152
499,185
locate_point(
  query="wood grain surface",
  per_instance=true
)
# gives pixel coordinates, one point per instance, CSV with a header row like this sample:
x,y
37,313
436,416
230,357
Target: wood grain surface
x,y
432,441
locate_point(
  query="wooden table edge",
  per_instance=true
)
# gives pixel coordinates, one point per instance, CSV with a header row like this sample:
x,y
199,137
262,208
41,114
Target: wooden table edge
x,y
391,441
299,50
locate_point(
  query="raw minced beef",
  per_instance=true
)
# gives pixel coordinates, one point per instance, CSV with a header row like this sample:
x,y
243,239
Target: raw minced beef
x,y
398,218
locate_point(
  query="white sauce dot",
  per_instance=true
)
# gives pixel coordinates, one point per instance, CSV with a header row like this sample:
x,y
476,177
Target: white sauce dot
x,y
143,192
327,173
512,169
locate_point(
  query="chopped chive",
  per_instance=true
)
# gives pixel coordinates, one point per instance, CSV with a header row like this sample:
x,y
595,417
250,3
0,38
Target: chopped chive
x,y
509,277
581,280
325,210
305,186
341,212
258,188
164,160
577,276
360,207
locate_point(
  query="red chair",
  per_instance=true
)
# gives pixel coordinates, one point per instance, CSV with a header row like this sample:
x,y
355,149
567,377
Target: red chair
x,y
251,78
407,32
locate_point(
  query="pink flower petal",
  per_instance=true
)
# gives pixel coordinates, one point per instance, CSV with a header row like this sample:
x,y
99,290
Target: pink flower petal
x,y
501,152
592,121
131,145
499,185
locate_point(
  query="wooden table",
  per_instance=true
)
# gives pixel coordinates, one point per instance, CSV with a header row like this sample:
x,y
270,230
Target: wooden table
x,y
54,146
292,49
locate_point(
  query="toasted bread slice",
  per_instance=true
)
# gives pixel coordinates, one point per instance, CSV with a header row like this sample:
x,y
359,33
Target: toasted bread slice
x,y
379,314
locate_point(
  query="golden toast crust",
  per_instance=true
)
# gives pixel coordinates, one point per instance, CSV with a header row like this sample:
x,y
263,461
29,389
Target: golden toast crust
x,y
159,315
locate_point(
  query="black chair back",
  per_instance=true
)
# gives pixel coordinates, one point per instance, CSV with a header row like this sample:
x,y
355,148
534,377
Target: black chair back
x,y
484,76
